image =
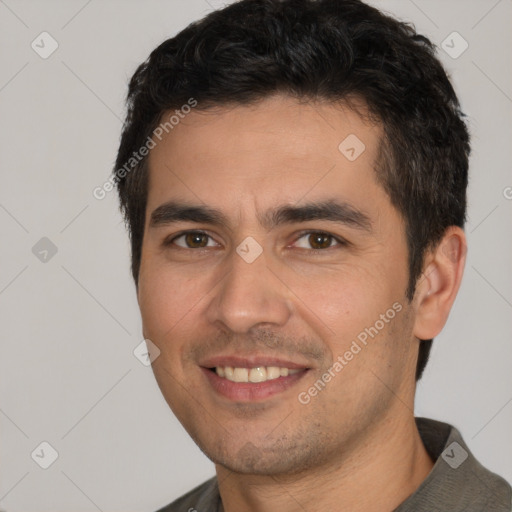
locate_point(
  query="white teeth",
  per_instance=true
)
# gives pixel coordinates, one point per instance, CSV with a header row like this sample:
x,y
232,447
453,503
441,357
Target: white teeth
x,y
240,375
258,374
273,372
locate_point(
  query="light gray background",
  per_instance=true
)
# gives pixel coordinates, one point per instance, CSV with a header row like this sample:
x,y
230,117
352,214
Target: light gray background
x,y
70,325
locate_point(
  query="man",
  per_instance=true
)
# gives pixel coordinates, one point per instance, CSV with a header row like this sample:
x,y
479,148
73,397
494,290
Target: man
x,y
293,175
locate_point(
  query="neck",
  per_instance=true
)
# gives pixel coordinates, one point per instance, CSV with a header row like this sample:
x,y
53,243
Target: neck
x,y
377,476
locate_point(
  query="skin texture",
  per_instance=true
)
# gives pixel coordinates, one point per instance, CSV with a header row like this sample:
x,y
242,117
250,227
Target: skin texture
x,y
355,444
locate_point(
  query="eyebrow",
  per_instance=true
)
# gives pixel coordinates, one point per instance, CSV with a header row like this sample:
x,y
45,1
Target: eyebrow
x,y
330,210
172,211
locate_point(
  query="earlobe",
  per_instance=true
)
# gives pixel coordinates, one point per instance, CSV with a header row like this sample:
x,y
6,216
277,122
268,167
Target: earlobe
x,y
439,283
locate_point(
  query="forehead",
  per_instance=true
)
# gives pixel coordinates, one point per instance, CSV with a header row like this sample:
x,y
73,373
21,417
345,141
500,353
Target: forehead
x,y
277,151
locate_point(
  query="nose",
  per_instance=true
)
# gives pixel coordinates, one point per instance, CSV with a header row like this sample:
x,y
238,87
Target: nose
x,y
249,296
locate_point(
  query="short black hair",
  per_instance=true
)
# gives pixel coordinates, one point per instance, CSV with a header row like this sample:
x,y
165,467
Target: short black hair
x,y
326,50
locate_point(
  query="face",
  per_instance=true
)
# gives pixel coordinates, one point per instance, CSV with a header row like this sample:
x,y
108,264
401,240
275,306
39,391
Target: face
x,y
272,281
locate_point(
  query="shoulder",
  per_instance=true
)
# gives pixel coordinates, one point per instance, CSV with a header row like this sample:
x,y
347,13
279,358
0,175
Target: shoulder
x,y
203,498
457,482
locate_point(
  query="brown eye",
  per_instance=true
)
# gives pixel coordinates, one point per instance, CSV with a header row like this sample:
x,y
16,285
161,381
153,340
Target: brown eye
x,y
196,240
320,240
193,240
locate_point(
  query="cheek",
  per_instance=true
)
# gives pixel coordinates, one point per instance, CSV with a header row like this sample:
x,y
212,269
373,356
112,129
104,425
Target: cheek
x,y
341,301
166,299
351,309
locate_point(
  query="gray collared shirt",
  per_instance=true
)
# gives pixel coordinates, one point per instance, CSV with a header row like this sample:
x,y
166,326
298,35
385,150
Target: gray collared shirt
x,y
456,483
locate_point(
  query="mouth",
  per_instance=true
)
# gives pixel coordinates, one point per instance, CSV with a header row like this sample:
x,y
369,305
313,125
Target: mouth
x,y
252,380
257,374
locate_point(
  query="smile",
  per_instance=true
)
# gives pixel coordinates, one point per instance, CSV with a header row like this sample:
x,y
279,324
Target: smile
x,y
258,374
244,384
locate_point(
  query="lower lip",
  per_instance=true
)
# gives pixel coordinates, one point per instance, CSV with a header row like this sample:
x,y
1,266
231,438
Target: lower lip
x,y
251,391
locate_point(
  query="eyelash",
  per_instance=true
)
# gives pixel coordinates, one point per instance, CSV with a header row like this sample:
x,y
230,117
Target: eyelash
x,y
340,242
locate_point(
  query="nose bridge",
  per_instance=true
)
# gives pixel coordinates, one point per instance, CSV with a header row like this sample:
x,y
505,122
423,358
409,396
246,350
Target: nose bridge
x,y
250,294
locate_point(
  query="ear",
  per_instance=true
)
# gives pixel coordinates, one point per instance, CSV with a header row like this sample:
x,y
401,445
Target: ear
x,y
439,283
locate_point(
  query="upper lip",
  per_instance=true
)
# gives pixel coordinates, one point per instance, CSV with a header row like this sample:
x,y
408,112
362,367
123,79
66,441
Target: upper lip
x,y
250,361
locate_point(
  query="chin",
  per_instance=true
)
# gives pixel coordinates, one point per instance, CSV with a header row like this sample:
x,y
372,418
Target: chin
x,y
269,461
